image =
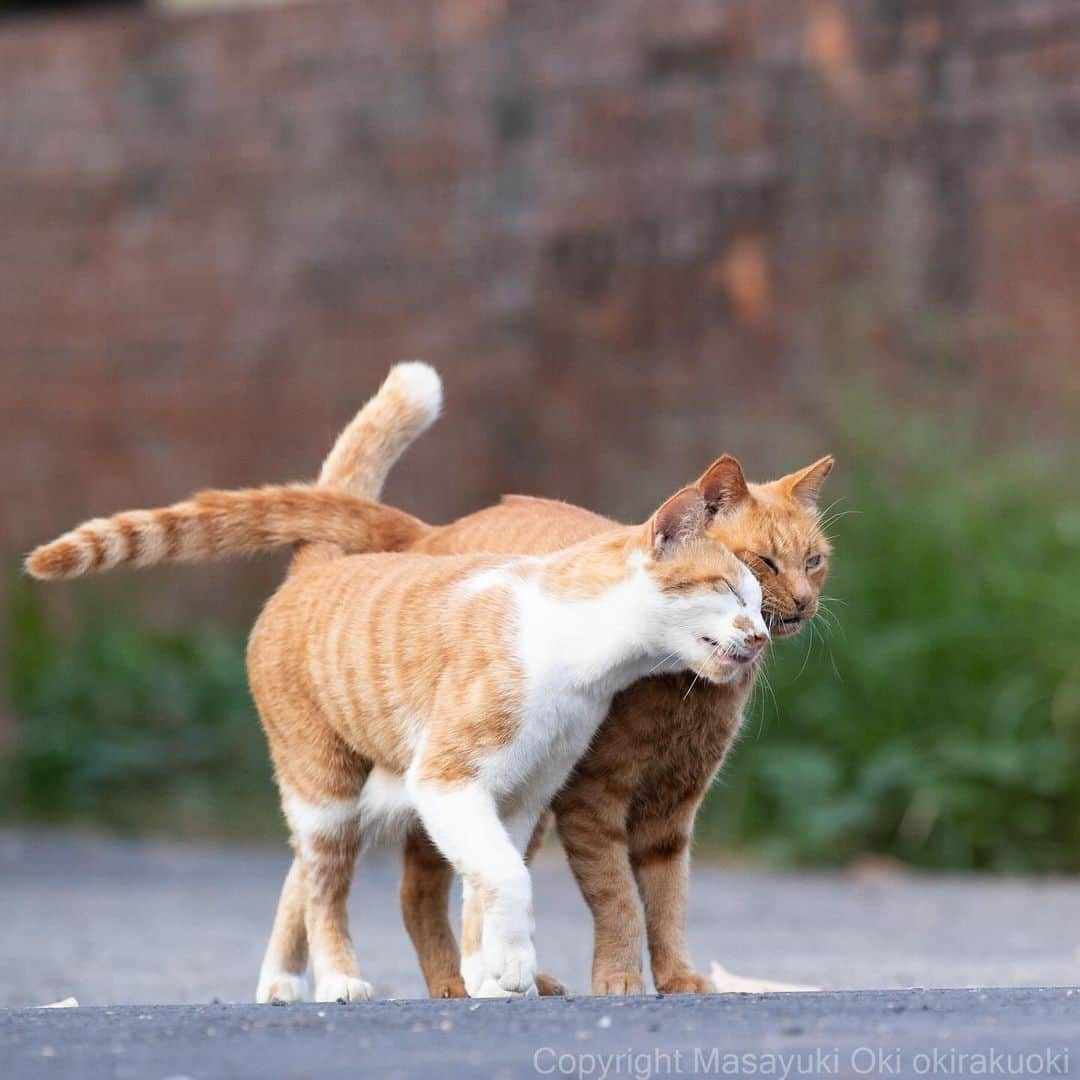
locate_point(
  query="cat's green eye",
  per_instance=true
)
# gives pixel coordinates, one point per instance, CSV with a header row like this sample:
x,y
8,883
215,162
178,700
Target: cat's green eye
x,y
813,562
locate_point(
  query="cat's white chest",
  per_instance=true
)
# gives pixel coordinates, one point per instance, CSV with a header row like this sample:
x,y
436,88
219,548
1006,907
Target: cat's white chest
x,y
574,654
554,732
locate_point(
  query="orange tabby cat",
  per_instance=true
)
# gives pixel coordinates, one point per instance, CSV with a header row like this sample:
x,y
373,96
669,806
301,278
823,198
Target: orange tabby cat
x,y
626,814
460,691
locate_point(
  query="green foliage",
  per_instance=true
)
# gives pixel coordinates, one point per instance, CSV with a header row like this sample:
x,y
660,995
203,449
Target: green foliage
x,y
133,728
935,714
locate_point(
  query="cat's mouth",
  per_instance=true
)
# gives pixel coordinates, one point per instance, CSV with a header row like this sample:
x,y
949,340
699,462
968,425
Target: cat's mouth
x,y
786,626
731,657
743,657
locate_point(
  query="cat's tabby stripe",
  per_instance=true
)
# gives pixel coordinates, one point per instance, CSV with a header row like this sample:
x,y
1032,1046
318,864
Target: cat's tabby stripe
x,y
217,523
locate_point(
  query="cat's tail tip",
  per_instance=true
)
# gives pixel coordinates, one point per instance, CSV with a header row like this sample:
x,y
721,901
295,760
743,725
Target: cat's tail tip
x,y
420,385
63,558
406,405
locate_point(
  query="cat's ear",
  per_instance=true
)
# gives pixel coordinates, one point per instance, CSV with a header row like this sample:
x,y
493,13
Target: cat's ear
x,y
723,487
805,485
680,519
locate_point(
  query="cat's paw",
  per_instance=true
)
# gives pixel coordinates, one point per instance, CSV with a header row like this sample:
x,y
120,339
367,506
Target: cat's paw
x,y
282,988
517,972
509,963
453,986
490,988
549,986
618,982
686,982
343,989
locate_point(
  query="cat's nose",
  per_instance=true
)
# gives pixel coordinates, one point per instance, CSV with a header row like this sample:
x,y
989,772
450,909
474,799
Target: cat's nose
x,y
756,642
802,602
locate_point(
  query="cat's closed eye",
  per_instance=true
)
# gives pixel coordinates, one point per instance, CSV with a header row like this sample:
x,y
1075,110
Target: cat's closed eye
x,y
768,562
725,586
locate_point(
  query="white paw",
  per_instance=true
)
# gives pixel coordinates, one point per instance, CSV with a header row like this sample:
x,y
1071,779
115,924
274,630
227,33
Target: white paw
x,y
489,988
479,984
281,987
512,967
343,988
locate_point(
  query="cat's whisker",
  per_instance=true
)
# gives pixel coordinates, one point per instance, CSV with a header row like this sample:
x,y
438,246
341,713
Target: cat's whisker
x,y
825,522
826,618
767,686
829,512
824,513
809,649
832,662
830,616
660,663
712,655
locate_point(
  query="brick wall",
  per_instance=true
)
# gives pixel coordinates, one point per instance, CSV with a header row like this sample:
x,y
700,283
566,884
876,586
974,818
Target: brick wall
x,y
632,234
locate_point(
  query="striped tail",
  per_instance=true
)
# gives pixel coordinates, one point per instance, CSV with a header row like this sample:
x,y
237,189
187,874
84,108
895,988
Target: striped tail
x,y
215,524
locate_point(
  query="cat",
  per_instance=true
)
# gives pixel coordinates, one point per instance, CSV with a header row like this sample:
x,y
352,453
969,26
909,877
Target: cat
x,y
460,691
626,815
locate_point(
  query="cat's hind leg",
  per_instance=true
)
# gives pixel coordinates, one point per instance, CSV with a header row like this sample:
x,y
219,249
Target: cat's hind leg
x,y
283,975
328,838
425,900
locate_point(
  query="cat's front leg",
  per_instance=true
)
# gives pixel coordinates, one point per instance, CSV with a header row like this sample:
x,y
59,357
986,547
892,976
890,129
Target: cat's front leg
x,y
463,821
473,966
474,971
660,855
591,816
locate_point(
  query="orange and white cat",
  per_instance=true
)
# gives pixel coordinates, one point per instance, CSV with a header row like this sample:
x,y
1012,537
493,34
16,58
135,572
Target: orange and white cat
x,y
459,691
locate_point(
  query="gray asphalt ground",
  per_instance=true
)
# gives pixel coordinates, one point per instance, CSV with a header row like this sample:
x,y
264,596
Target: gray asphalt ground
x,y
950,1033
116,923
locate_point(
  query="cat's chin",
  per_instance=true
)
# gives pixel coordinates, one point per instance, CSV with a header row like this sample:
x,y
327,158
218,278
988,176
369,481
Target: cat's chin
x,y
721,672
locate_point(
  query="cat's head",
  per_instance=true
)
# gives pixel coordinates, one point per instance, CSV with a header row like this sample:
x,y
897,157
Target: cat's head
x,y
709,614
774,529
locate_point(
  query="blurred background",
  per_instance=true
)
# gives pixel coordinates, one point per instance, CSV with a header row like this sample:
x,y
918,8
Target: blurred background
x,y
631,236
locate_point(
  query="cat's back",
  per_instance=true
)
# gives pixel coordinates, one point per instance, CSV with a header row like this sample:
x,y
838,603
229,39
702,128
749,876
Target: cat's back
x,y
519,525
364,590
367,643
